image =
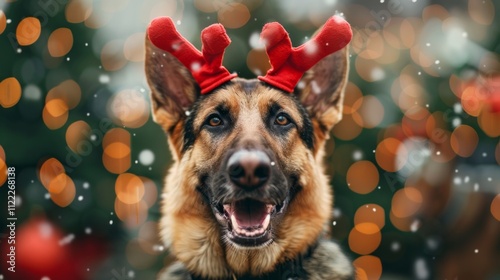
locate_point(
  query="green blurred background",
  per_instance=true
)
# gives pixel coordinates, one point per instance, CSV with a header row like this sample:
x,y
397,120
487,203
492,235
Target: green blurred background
x,y
414,163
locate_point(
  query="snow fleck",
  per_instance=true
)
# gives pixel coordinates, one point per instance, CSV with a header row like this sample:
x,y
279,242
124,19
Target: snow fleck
x,y
311,47
437,62
187,113
195,66
456,122
457,108
9,21
476,187
45,278
88,114
86,44
93,137
413,1
255,42
146,157
415,225
357,155
395,246
336,212
489,179
457,181
438,153
67,239
18,201
465,35
136,161
377,74
301,85
273,163
80,197
419,73
476,251
382,1
420,267
19,50
131,274
315,87
334,223
45,230
47,195
104,79
374,209
110,222
466,179
178,22
485,154
88,230
68,59
428,44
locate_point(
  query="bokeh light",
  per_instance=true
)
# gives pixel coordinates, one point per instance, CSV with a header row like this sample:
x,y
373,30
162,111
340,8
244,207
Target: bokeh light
x,y
370,213
3,21
60,42
55,113
60,186
28,31
386,154
75,134
406,202
3,167
69,91
362,177
464,140
129,188
371,267
233,15
133,48
495,207
129,108
117,155
62,190
49,170
78,11
364,238
10,92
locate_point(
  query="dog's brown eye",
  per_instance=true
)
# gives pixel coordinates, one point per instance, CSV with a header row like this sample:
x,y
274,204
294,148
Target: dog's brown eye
x,y
214,121
282,120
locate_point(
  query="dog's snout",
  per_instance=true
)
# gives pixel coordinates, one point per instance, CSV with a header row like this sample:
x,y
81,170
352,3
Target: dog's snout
x,y
249,168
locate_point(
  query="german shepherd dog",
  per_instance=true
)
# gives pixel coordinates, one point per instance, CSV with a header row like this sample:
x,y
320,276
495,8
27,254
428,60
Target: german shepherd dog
x,y
246,196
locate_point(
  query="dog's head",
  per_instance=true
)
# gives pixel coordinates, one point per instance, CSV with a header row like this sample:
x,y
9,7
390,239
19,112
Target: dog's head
x,y
247,189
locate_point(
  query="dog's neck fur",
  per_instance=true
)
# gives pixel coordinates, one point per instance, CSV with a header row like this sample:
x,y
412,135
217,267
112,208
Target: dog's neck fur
x,y
292,269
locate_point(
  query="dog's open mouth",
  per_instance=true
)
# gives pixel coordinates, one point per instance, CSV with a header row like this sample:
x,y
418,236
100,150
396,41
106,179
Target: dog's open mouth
x,y
249,221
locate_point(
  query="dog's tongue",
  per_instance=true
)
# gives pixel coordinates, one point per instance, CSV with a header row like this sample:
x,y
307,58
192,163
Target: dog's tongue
x,y
249,214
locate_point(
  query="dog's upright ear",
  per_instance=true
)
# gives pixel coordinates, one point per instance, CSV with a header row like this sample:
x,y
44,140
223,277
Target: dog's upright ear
x,y
321,89
315,71
173,92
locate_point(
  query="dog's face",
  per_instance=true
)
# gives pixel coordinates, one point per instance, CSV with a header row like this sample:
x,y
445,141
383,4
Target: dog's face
x,y
247,189
244,137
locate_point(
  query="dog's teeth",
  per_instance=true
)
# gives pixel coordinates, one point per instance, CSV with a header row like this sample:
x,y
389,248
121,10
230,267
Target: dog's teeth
x,y
265,224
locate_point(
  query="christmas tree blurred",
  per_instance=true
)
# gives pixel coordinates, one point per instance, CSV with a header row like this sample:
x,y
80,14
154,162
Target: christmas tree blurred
x,y
414,162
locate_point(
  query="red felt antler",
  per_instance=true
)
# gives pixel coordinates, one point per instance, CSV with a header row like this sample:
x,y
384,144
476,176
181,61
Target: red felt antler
x,y
289,64
205,66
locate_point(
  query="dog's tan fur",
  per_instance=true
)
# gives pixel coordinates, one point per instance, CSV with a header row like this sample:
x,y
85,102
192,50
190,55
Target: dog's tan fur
x,y
188,226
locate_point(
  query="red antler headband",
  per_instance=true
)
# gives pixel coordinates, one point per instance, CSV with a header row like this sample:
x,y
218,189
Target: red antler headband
x,y
288,63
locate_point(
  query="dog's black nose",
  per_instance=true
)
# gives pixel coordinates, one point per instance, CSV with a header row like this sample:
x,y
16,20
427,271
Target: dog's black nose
x,y
249,168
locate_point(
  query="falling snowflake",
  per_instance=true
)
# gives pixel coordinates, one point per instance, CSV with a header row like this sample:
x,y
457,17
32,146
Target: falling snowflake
x,y
146,157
